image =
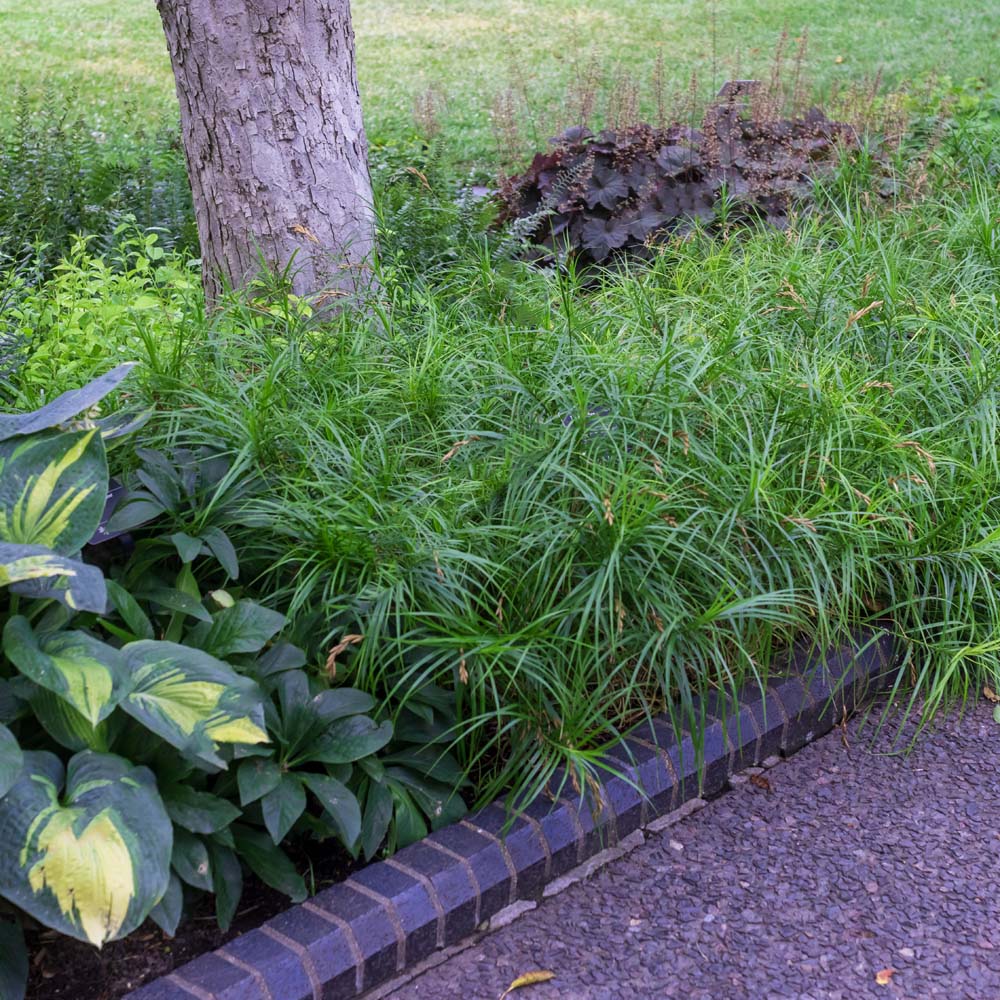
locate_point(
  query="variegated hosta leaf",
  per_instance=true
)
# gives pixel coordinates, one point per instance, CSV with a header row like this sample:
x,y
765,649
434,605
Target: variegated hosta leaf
x,y
87,673
53,487
10,760
90,859
191,699
38,571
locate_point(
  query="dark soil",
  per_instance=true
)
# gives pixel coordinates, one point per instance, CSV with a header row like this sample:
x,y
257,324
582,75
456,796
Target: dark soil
x,y
65,969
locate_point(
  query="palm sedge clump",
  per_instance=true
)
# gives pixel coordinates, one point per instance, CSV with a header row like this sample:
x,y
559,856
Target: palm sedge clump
x,y
561,505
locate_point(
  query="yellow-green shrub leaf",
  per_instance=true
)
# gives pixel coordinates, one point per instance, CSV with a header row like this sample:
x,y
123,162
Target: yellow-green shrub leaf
x,y
86,852
191,699
87,673
53,487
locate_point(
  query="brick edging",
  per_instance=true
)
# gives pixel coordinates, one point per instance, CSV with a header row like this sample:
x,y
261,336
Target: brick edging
x,y
392,914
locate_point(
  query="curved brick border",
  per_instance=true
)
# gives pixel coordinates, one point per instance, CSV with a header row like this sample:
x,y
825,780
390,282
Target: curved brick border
x,y
392,914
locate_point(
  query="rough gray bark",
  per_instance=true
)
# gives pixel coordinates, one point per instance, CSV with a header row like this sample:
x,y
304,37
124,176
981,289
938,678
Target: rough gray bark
x,y
275,145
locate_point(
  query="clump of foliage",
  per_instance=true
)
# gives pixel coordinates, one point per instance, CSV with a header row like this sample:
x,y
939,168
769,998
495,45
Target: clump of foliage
x,y
62,175
155,738
625,189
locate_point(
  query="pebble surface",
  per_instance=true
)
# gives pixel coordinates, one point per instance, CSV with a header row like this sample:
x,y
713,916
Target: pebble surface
x,y
862,871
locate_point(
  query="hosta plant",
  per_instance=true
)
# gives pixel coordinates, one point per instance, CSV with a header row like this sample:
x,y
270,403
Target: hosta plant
x,y
155,738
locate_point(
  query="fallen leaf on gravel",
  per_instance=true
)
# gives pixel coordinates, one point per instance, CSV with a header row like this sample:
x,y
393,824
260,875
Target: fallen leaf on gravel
x,y
761,782
990,695
884,976
528,979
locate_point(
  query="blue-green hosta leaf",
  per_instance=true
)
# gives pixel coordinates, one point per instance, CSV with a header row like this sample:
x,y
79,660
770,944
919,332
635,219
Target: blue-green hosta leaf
x,y
86,852
38,571
123,422
192,700
244,627
53,487
10,760
13,962
63,408
87,673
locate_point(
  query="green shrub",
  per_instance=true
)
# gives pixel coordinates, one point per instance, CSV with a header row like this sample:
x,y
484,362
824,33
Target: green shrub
x,y
62,176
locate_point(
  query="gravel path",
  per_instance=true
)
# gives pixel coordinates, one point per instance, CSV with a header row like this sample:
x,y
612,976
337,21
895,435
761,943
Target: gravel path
x,y
856,861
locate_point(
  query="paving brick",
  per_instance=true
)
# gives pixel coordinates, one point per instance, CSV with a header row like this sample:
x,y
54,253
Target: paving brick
x,y
561,832
280,968
408,901
484,854
456,887
373,929
524,845
326,945
799,707
222,979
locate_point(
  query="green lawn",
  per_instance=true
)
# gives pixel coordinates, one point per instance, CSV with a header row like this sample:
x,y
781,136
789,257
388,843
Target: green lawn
x,y
110,52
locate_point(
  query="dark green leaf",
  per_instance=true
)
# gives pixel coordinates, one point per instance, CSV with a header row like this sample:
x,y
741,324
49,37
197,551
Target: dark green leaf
x,y
190,860
173,599
410,825
222,548
280,657
256,777
188,548
10,760
140,508
337,703
349,739
227,883
167,913
378,815
13,962
128,607
269,863
339,802
283,806
198,812
243,628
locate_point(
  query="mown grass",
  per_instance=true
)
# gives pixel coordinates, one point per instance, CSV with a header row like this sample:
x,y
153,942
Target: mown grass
x,y
561,501
107,54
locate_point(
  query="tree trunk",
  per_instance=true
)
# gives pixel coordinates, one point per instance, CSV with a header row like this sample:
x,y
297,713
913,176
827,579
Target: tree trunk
x,y
275,145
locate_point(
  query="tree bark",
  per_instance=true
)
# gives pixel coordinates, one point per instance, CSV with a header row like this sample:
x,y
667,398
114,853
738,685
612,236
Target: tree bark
x,y
275,144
